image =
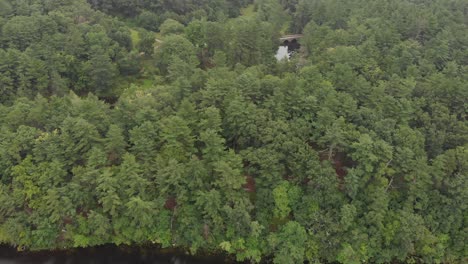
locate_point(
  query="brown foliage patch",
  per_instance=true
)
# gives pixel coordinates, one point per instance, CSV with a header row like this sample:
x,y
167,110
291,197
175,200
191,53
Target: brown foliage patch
x,y
170,203
249,185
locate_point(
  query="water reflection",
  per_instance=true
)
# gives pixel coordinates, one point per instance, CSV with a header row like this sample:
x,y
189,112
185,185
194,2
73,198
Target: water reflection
x,y
105,255
287,49
282,53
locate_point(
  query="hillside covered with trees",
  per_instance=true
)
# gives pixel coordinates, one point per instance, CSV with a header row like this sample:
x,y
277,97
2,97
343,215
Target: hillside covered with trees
x,y
170,122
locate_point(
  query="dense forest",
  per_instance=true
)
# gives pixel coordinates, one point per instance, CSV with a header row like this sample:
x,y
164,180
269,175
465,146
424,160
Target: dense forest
x,y
170,122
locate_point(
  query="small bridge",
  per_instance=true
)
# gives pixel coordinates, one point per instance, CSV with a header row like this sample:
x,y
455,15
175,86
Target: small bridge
x,y
290,38
290,41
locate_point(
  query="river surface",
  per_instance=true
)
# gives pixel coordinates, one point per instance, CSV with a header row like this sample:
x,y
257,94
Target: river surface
x,y
105,255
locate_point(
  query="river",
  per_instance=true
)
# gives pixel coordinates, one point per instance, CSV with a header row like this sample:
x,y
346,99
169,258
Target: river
x,y
106,255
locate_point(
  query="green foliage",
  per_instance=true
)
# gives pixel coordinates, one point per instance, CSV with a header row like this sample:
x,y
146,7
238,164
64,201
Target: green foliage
x,y
171,26
5,8
289,243
273,12
175,46
353,151
148,20
44,51
252,42
22,31
146,43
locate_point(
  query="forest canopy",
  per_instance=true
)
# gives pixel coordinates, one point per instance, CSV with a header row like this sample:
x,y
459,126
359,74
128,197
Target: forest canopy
x,y
134,122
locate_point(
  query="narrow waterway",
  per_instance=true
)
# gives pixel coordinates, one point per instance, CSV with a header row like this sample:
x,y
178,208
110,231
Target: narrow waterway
x,y
106,255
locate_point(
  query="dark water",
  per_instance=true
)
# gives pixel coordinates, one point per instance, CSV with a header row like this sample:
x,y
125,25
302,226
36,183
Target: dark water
x,y
287,49
105,255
